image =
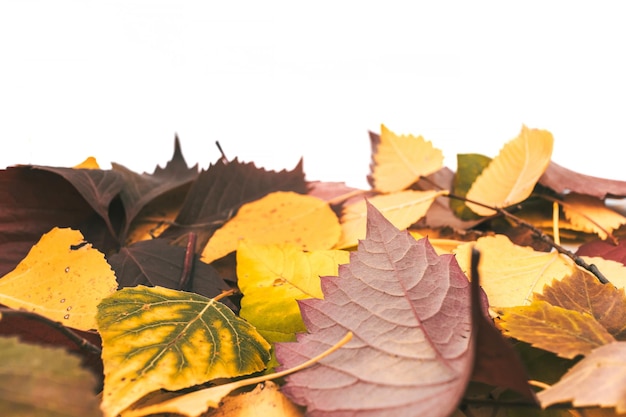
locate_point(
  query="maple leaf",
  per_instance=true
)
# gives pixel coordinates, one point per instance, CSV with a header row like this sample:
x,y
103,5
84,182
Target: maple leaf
x,y
512,175
44,381
155,338
567,333
62,278
598,379
32,202
583,292
157,263
217,194
278,217
563,180
399,161
402,208
141,189
409,310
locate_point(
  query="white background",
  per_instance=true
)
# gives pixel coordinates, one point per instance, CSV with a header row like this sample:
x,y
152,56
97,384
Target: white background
x,y
277,81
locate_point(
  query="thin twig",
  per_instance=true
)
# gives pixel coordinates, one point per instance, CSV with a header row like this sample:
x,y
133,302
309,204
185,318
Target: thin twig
x,y
223,158
80,341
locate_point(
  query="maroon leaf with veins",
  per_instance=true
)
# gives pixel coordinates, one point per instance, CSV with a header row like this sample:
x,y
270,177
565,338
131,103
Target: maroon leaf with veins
x,y
409,310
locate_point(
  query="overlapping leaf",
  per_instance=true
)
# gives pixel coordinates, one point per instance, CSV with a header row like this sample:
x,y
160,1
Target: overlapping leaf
x,y
45,382
157,338
279,217
273,277
62,278
591,215
512,175
402,209
563,180
409,311
400,160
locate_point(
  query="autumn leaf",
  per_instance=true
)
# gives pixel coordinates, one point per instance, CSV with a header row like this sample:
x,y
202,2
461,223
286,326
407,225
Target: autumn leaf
x,y
44,381
62,278
402,209
280,217
89,163
400,160
141,189
410,314
217,194
591,215
156,263
567,333
155,338
273,277
264,400
583,292
598,379
469,167
604,249
511,176
563,181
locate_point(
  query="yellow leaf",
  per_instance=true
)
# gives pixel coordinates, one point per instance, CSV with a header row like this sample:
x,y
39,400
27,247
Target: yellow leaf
x,y
62,278
511,176
278,217
402,209
89,163
567,333
399,161
589,214
271,279
154,338
265,400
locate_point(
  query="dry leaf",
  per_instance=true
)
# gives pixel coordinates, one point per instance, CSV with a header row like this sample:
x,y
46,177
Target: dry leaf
x,y
62,278
265,400
589,214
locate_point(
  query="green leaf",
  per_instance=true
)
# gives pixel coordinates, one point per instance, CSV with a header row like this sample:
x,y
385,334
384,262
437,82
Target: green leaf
x,y
44,382
155,338
469,166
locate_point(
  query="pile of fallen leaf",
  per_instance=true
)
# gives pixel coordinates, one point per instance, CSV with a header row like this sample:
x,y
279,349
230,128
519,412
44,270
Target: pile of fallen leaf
x,y
495,290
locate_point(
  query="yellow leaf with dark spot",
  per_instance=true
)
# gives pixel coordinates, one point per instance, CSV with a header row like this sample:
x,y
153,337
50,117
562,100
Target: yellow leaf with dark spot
x,y
157,338
400,160
567,333
278,217
512,175
62,278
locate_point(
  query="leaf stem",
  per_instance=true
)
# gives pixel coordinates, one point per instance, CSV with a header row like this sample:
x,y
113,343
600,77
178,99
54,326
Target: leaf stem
x,y
190,256
80,341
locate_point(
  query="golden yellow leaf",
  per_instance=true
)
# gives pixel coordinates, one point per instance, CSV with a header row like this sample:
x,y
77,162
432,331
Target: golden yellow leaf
x,y
271,279
265,400
155,338
567,333
401,160
62,278
512,175
510,274
278,217
589,214
402,209
89,163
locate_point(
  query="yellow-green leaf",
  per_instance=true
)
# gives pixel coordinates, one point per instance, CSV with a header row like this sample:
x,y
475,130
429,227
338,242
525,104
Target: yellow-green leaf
x,y
512,175
271,279
154,338
278,218
62,278
400,160
567,333
402,209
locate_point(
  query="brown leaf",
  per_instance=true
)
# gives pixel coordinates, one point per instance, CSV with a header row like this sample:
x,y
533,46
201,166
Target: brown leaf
x,y
584,293
563,180
565,332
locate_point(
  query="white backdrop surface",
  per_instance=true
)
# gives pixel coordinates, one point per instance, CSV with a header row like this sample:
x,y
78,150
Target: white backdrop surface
x,y
277,81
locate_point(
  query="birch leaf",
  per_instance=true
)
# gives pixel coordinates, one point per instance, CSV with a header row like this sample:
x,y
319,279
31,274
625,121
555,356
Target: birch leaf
x,y
589,214
402,209
511,176
62,278
154,338
400,160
